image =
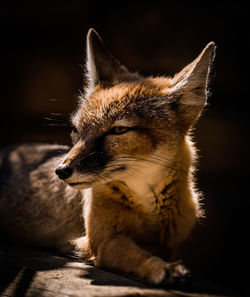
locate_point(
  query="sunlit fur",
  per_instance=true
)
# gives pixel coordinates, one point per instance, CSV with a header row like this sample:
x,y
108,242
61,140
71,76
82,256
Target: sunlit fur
x,y
130,192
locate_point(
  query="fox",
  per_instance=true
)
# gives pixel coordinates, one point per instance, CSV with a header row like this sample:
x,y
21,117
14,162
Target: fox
x,y
126,188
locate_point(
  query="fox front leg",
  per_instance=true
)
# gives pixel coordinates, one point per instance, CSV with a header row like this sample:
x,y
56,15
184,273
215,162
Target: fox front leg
x,y
122,254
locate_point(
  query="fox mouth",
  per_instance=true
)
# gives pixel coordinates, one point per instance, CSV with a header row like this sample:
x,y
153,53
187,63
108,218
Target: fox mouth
x,y
79,182
82,181
80,185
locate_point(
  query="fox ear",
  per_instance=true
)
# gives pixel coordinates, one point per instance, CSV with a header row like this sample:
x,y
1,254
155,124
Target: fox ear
x,y
189,87
102,67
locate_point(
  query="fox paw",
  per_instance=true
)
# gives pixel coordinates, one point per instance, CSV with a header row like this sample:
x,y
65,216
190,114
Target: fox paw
x,y
177,275
158,272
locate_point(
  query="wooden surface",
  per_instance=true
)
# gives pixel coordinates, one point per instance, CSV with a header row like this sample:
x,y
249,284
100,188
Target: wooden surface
x,y
30,272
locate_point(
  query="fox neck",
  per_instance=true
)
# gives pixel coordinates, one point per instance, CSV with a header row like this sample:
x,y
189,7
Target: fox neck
x,y
147,192
159,183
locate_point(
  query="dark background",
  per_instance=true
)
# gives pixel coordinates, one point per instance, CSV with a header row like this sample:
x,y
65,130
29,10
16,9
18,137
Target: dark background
x,y
42,46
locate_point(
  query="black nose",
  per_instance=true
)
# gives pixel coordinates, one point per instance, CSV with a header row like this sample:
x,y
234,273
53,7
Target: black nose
x,y
64,172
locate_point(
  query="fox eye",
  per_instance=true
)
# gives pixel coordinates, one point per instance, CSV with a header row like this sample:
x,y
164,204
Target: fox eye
x,y
119,130
74,130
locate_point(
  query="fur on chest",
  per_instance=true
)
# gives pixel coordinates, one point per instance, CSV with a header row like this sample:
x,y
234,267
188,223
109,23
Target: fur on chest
x,y
153,215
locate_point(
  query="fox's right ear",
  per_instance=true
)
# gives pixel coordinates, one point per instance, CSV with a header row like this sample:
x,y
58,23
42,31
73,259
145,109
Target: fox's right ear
x,y
190,86
102,67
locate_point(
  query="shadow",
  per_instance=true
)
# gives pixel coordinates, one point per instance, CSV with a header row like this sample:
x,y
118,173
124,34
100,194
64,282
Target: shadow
x,y
24,282
199,286
15,279
8,274
101,277
196,287
19,266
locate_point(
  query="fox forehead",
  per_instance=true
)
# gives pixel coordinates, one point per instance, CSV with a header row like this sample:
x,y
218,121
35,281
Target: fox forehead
x,y
124,102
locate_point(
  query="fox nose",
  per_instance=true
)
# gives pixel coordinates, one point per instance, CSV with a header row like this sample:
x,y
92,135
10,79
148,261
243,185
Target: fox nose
x,y
64,172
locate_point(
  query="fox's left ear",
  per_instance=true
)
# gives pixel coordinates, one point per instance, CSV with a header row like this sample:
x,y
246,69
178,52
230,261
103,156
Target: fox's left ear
x,y
189,87
102,66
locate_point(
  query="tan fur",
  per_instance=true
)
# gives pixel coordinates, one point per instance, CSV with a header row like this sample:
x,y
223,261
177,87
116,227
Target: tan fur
x,y
128,179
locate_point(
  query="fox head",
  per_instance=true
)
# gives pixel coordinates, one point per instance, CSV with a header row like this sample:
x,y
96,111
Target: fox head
x,y
128,127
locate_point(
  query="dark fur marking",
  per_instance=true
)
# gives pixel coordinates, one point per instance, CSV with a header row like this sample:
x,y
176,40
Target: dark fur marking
x,y
115,189
119,168
96,160
166,188
124,197
93,163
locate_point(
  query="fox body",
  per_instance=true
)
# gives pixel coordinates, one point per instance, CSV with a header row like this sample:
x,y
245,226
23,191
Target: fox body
x,y
126,185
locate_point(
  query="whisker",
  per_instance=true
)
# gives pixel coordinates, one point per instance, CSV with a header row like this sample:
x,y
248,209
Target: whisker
x,y
161,160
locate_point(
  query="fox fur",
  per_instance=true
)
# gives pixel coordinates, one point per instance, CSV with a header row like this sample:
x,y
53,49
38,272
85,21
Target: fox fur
x,y
126,185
